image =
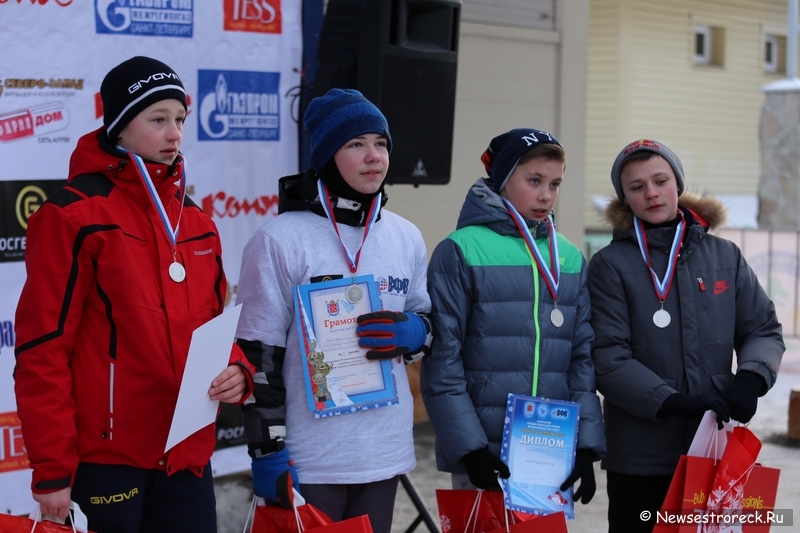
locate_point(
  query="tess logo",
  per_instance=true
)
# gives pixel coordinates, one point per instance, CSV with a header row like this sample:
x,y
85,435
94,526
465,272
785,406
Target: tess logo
x,y
12,449
259,16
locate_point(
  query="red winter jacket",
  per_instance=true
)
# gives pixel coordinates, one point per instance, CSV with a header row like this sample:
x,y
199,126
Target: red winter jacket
x,y
102,331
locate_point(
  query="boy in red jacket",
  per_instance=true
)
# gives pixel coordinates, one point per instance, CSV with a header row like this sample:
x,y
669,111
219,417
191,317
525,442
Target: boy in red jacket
x,y
122,268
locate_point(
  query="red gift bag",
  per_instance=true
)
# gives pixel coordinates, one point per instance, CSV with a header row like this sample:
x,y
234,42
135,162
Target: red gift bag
x,y
276,519
475,511
359,524
35,524
551,523
688,491
760,494
720,483
302,518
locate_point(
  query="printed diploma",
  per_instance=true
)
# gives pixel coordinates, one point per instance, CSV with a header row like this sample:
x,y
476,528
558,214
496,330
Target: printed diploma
x,y
540,438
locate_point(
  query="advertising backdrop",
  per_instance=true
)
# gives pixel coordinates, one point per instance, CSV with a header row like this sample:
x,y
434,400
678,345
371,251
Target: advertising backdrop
x,y
238,60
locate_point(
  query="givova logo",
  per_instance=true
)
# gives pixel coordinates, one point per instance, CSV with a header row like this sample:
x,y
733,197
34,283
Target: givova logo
x,y
164,18
238,105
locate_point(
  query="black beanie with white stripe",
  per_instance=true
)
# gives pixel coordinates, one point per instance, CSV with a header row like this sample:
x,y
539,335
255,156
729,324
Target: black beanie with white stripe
x,y
134,85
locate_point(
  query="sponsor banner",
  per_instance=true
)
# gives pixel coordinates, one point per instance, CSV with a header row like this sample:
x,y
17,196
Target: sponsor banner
x,y
238,106
12,449
162,18
19,200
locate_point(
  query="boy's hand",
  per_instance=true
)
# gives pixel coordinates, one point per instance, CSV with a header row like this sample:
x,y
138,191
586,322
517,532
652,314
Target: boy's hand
x,y
55,504
742,395
229,387
693,407
483,467
584,470
390,334
274,476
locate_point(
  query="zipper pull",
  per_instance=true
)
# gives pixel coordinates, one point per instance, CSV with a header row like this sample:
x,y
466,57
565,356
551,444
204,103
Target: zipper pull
x,y
702,285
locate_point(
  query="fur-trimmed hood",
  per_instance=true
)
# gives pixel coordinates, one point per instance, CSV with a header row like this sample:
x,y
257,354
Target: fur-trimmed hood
x,y
709,212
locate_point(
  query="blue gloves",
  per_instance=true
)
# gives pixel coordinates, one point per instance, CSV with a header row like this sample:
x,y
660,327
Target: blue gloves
x,y
584,470
390,334
742,395
274,476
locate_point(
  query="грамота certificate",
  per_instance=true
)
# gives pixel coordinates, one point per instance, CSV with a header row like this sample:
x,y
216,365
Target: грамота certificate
x,y
540,437
339,378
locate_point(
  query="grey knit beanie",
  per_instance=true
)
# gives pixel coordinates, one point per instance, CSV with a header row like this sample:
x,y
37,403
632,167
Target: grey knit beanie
x,y
645,145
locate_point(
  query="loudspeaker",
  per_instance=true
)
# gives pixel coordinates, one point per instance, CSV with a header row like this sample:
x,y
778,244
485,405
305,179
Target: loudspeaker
x,y
402,55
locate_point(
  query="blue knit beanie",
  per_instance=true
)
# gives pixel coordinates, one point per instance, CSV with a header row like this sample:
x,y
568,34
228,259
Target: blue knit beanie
x,y
337,117
505,151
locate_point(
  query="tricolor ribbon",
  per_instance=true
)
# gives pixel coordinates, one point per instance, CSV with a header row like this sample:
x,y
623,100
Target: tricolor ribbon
x,y
327,206
662,286
172,232
551,275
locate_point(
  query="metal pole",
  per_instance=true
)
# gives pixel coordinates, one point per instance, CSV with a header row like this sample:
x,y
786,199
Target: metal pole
x,y
791,41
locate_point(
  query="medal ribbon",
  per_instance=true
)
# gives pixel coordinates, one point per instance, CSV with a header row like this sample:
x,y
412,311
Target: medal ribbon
x,y
662,286
327,206
172,233
551,275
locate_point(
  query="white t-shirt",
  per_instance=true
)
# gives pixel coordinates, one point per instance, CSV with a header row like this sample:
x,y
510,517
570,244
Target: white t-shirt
x,y
288,251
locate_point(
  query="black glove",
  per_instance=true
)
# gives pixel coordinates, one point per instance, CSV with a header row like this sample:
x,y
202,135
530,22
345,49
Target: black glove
x,y
483,468
584,470
390,334
742,395
694,407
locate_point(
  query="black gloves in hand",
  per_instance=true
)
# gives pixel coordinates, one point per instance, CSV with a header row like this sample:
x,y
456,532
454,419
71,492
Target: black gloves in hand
x,y
584,470
742,395
694,407
390,334
483,468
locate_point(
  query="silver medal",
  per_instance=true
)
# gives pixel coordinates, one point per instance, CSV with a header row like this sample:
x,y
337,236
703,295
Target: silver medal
x,y
661,318
557,317
177,272
354,293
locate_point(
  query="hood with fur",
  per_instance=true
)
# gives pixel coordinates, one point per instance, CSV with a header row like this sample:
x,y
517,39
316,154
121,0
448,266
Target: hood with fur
x,y
709,212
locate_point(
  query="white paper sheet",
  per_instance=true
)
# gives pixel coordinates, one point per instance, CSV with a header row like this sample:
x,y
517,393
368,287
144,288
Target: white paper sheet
x,y
209,353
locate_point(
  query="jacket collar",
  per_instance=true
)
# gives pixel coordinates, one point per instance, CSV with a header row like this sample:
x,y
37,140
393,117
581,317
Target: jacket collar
x,y
94,155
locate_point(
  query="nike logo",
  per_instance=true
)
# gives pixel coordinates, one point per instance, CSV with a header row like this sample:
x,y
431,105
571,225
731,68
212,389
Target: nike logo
x,y
721,286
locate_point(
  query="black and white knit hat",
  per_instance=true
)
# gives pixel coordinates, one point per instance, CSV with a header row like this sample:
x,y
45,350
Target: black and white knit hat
x,y
132,86
645,145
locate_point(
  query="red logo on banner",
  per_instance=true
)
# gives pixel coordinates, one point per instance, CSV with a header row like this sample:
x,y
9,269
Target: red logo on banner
x,y
12,450
33,122
221,205
62,3
260,16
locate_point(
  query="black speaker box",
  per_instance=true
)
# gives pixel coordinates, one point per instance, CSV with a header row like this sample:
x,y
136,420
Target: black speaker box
x,y
402,55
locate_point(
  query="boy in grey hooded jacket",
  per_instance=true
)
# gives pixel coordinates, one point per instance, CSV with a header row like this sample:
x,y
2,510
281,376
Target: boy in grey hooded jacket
x,y
671,304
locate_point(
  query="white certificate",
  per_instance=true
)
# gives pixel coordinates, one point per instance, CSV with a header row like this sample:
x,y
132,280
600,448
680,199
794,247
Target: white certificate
x,y
209,354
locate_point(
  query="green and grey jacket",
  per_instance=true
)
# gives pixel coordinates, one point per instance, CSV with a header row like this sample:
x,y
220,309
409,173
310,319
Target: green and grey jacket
x,y
493,336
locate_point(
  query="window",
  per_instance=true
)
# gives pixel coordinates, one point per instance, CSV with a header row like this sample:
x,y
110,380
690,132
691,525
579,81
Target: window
x,y
709,45
774,54
702,45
